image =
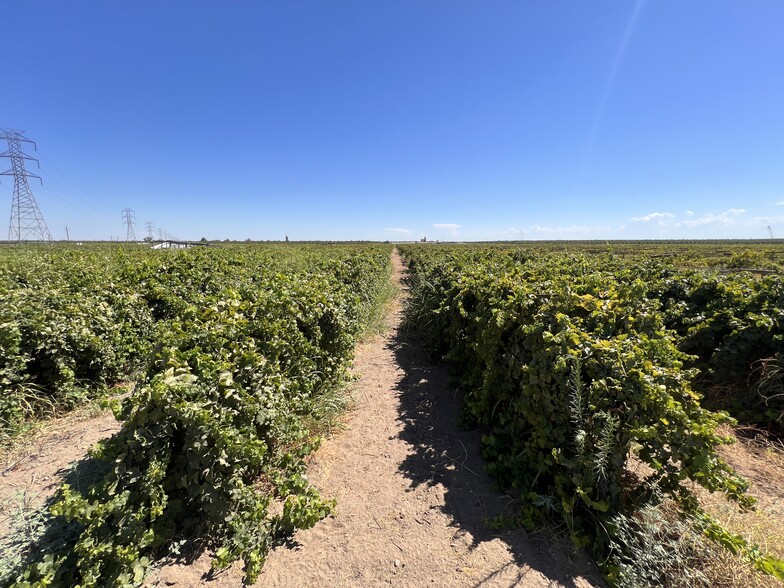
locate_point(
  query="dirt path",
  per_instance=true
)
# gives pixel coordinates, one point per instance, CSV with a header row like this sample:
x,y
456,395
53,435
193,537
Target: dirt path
x,y
36,469
412,498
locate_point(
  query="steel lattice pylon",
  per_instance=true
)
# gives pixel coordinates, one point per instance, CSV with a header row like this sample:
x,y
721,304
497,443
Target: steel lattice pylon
x,y
27,222
129,221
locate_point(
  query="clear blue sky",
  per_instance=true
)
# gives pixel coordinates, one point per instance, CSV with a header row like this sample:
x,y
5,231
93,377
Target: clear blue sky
x,y
358,119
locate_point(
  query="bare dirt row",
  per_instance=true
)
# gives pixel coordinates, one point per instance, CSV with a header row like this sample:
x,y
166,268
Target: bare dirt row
x,y
413,501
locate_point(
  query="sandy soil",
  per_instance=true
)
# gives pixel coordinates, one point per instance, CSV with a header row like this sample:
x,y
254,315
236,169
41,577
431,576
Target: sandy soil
x,y
412,495
31,473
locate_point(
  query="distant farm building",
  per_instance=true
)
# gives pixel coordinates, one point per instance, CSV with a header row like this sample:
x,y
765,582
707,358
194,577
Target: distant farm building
x,y
170,244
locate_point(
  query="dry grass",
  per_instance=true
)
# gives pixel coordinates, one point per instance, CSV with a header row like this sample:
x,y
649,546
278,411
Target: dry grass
x,y
32,468
758,458
761,461
43,432
54,427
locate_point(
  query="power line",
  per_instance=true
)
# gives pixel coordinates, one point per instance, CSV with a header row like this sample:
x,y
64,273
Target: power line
x,y
90,201
130,220
59,188
71,206
27,222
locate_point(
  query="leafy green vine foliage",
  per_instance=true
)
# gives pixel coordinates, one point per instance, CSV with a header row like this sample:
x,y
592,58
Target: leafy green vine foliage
x,y
214,437
65,334
728,324
568,364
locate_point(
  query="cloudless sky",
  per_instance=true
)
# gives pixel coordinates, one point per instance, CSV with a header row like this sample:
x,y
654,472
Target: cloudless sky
x,y
395,119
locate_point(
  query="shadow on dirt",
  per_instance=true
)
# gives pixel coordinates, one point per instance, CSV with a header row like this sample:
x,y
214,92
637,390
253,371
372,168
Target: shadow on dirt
x,y
35,533
445,453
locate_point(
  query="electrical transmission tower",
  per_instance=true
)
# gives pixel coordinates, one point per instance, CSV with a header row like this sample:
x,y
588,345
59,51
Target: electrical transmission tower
x,y
149,227
27,222
130,220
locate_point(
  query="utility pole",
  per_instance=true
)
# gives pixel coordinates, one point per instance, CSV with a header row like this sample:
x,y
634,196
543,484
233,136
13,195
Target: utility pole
x,y
67,236
27,222
148,226
129,221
